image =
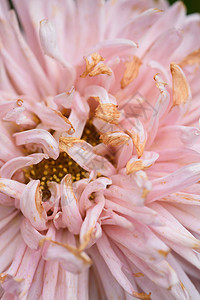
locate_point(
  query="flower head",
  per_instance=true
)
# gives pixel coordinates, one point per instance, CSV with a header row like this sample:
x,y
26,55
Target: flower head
x,y
99,133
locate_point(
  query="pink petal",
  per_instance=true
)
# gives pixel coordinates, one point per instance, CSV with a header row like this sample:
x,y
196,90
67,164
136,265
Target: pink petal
x,y
69,256
48,41
71,216
39,136
94,186
30,235
174,182
82,153
31,205
17,163
89,232
11,188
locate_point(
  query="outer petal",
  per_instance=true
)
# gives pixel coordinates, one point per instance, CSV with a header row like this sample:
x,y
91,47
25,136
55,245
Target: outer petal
x,y
115,267
49,44
174,182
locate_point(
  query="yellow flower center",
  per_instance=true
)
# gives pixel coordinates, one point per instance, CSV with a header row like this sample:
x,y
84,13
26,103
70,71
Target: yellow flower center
x,y
54,170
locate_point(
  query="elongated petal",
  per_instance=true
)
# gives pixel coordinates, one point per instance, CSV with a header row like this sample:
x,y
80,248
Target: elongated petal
x,y
11,188
88,228
114,263
71,216
83,154
174,182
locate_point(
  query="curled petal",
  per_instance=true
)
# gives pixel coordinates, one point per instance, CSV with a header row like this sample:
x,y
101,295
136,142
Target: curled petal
x,y
39,136
94,186
53,119
10,167
31,205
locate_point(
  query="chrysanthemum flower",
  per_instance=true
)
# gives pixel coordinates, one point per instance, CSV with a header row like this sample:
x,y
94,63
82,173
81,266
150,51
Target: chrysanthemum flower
x,y
100,150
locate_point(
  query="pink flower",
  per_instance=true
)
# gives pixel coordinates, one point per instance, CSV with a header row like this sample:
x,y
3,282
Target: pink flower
x,y
100,150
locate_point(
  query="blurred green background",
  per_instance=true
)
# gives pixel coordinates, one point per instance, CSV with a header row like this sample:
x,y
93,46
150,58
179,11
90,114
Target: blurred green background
x,y
192,5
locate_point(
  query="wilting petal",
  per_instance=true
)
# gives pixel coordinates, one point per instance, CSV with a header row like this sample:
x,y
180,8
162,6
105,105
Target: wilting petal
x,y
31,205
181,90
135,164
138,135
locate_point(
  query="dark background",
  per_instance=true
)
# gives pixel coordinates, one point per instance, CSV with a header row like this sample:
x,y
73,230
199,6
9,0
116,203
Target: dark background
x,y
192,5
